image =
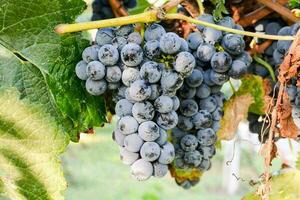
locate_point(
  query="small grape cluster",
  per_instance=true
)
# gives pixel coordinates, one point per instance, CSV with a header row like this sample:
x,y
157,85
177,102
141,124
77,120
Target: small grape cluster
x,y
103,10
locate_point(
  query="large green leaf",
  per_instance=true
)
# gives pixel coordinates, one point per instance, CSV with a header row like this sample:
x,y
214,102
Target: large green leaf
x,y
30,144
41,63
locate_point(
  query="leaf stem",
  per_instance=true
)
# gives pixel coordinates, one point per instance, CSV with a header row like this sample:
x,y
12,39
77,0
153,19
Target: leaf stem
x,y
201,7
266,65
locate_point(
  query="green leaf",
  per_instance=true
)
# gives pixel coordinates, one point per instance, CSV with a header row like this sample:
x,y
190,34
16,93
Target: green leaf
x,y
294,4
31,142
40,63
254,85
142,5
283,186
220,9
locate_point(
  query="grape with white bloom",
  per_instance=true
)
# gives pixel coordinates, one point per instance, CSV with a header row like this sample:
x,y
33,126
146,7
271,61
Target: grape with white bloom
x,y
221,62
124,30
127,125
159,170
167,120
186,92
216,126
208,151
195,79
123,108
218,78
205,52
130,75
233,43
163,137
154,32
189,142
194,40
169,43
188,107
108,54
113,74
143,111
133,143
148,131
217,114
128,97
128,157
80,70
90,54
140,90
163,104
118,137
203,91
171,81
184,45
204,165
184,63
132,54
176,103
155,91
119,42
141,170
209,104
192,158
105,36
185,123
150,72
135,37
207,137
95,87
151,49
167,154
203,119
95,70
150,151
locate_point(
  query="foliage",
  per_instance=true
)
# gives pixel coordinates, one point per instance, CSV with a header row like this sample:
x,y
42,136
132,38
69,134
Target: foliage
x,y
220,9
142,5
294,3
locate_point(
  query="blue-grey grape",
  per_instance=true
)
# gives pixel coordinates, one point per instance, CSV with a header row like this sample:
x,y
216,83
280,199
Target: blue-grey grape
x,y
141,170
133,143
143,111
169,43
127,125
167,120
188,107
150,72
113,74
149,131
80,70
167,153
132,54
150,151
108,54
123,108
154,32
189,142
95,87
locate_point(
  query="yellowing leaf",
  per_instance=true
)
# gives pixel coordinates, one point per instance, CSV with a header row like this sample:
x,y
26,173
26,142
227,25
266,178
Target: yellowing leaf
x,y
235,110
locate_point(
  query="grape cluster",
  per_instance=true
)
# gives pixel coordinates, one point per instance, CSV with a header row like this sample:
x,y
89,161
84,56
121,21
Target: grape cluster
x,y
103,10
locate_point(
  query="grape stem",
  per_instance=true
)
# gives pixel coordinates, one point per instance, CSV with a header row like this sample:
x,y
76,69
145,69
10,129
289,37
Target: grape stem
x,y
201,7
152,16
266,65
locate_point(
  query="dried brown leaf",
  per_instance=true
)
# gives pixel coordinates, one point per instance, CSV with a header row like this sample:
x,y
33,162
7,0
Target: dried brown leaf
x,y
264,152
235,110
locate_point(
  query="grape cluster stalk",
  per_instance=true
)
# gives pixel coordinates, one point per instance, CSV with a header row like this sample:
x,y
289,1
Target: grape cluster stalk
x,y
164,83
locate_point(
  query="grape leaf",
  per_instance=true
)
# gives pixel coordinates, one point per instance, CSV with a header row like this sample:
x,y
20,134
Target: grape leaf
x,y
30,141
284,185
141,6
294,4
220,9
40,63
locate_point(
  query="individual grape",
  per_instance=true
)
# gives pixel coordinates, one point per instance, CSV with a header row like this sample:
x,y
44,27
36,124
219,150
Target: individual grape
x,y
220,78
286,30
135,37
167,154
189,142
139,90
206,18
203,91
193,158
226,22
184,63
185,123
130,75
141,170
215,89
128,157
272,28
155,91
95,70
119,42
194,39
149,131
245,57
216,126
80,70
132,54
211,36
260,70
221,62
233,43
238,69
203,119
151,49
124,30
113,74
179,163
108,54
217,114
90,53
208,151
123,108
143,111
128,97
163,137
95,87
238,27
133,143
186,92
278,57
206,137
205,52
160,170
176,103
171,81
188,107
118,137
105,36
127,125
283,46
169,43
163,104
167,120
184,45
150,72
195,79
120,93
205,164
295,28
210,104
154,32
150,151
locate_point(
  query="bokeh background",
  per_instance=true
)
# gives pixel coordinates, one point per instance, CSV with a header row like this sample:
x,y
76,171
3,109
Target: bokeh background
x,y
94,171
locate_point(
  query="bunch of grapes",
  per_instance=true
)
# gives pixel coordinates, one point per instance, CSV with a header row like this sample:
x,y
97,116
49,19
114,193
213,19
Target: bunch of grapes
x,y
103,10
